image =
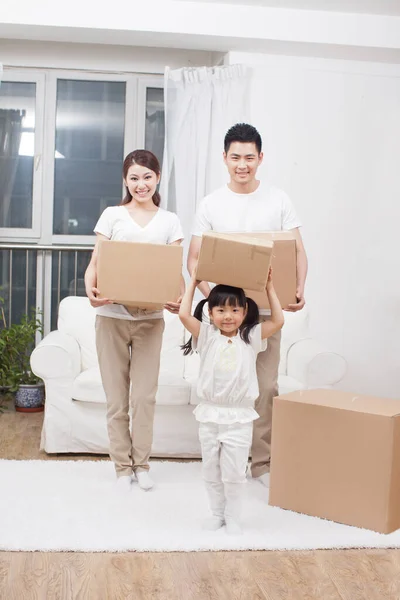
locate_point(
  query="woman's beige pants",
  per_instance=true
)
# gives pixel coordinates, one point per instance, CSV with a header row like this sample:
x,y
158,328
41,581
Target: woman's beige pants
x,y
129,359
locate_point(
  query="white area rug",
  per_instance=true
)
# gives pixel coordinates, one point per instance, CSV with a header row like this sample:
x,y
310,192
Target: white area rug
x,y
74,505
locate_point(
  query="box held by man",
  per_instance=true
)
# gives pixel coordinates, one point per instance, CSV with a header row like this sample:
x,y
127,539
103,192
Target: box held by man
x,y
284,267
231,260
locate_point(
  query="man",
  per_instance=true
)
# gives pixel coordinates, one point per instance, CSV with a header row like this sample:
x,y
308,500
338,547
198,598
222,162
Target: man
x,y
247,205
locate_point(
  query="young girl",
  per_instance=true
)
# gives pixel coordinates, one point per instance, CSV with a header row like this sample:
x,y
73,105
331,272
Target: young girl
x,y
129,340
227,388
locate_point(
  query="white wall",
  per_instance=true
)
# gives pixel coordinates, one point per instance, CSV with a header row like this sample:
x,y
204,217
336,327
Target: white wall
x,y
214,26
98,57
332,140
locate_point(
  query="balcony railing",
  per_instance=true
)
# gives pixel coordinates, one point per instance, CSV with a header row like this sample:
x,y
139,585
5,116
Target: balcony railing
x,y
39,276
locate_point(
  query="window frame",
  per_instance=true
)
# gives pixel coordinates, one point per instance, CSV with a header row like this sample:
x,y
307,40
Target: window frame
x,y
19,234
130,81
45,135
44,174
135,126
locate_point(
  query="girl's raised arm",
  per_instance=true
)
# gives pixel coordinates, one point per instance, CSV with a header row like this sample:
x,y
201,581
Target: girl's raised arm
x,y
277,320
185,310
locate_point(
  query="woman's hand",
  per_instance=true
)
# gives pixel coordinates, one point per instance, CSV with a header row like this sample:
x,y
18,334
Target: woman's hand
x,y
94,300
173,307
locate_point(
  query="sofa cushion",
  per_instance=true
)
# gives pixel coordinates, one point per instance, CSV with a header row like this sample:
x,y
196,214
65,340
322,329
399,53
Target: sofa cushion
x,y
87,387
76,317
172,359
172,390
288,384
294,329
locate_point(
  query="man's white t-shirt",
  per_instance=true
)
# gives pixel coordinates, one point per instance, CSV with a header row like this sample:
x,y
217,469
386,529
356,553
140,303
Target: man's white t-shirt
x,y
266,209
116,223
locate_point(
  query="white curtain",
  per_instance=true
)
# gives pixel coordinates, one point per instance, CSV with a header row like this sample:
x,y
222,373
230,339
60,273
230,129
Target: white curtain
x,y
201,104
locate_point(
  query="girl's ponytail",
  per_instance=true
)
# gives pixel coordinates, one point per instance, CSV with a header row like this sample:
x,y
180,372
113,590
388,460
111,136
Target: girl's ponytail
x,y
251,320
198,314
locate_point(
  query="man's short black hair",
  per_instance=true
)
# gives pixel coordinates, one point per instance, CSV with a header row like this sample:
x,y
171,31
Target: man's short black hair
x,y
244,133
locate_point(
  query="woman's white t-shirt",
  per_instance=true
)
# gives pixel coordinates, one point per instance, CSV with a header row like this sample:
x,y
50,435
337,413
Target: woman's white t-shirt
x,y
227,386
116,223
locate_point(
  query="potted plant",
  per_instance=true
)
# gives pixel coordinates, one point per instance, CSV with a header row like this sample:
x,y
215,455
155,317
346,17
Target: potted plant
x,y
16,344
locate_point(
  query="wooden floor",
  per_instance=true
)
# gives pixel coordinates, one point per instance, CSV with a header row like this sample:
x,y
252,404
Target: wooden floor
x,y
319,575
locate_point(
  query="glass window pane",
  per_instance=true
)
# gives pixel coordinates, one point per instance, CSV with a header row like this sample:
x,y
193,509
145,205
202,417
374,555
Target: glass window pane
x,y
155,124
89,151
17,145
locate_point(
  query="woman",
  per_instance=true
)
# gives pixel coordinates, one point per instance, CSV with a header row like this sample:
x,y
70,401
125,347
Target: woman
x,y
128,341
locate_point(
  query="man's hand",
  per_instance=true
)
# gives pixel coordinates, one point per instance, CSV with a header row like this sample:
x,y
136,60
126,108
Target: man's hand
x,y
300,302
173,307
95,301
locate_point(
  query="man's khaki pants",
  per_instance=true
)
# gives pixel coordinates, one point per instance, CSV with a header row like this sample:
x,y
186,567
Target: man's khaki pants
x,y
267,374
129,353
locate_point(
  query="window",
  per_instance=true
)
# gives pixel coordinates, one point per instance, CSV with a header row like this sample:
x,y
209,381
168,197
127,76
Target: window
x,y
19,145
155,123
89,150
63,137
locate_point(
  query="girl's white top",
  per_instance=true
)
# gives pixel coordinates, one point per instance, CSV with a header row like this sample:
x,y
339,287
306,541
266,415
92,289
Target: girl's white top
x,y
227,386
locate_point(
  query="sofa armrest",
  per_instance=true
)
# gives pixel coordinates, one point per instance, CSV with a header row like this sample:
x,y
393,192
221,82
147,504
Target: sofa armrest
x,y
315,366
57,356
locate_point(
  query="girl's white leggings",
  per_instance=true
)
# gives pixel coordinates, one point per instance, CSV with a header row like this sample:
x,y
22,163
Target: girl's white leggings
x,y
225,452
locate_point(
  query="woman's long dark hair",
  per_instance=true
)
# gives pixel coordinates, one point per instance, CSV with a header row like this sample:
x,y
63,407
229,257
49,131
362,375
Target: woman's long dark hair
x,y
222,295
143,158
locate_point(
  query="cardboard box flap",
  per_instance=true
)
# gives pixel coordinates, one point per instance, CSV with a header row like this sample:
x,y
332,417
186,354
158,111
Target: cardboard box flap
x,y
274,236
262,245
386,407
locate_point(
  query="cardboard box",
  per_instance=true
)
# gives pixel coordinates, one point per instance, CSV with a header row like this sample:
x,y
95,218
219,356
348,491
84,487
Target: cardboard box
x,y
284,267
336,455
139,275
231,260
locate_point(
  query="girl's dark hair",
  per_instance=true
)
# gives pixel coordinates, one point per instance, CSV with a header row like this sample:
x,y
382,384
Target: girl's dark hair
x,y
221,295
146,159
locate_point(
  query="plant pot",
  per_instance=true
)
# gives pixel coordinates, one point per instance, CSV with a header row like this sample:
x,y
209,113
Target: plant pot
x,y
30,398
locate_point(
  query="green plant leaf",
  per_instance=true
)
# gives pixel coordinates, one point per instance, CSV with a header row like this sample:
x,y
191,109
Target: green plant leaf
x,y
16,344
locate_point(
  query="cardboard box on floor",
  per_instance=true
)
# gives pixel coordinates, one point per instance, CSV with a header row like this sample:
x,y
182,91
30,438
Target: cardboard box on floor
x,y
284,266
139,275
336,455
241,261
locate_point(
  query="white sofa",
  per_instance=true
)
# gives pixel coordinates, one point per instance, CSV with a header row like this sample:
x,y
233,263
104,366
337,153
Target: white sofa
x,y
75,410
